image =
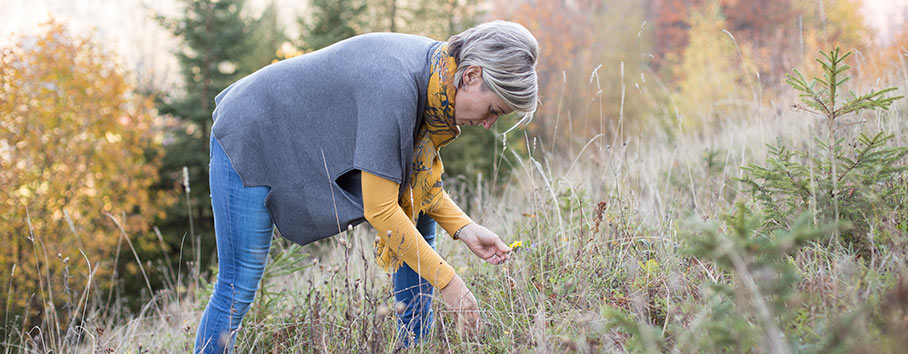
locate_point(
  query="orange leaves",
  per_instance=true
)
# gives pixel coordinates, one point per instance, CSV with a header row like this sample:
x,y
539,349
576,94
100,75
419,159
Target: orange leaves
x,y
74,143
563,30
669,20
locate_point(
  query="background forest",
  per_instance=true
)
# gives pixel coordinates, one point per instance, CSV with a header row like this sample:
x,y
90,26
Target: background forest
x,y
685,186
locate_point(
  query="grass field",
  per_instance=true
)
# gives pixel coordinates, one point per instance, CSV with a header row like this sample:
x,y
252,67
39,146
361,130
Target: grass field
x,y
609,263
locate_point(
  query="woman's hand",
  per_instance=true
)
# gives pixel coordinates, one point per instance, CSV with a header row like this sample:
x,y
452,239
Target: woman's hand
x,y
462,304
484,243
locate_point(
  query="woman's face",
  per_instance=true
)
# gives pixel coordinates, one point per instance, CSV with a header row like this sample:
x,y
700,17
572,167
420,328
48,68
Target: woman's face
x,y
476,105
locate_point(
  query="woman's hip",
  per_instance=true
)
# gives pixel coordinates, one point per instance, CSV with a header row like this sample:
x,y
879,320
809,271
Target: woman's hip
x,y
239,211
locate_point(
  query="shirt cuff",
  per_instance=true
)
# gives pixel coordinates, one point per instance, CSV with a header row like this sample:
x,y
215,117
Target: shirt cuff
x,y
448,215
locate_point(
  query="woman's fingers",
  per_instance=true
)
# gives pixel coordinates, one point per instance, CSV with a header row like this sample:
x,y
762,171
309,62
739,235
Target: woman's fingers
x,y
460,300
468,317
502,246
498,257
501,252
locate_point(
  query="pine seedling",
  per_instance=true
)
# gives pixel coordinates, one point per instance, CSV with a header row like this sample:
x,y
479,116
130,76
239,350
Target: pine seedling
x,y
765,278
823,101
850,181
749,312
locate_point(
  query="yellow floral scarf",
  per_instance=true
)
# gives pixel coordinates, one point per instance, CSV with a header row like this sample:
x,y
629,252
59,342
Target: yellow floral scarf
x,y
438,129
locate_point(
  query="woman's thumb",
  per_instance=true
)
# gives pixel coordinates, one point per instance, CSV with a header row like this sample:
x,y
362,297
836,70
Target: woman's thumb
x,y
502,246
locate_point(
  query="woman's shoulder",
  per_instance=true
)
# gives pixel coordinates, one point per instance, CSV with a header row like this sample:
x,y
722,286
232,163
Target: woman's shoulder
x,y
376,67
395,40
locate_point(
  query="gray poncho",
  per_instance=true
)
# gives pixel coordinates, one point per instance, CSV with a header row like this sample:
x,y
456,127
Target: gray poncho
x,y
305,126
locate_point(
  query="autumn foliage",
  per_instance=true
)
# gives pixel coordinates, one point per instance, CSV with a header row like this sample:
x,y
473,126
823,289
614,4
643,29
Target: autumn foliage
x,y
77,159
626,64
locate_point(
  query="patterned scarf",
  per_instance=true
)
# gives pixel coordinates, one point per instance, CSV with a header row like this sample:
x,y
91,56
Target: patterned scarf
x,y
438,129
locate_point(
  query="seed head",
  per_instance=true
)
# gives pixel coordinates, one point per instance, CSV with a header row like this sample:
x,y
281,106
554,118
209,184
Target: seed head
x,y
382,311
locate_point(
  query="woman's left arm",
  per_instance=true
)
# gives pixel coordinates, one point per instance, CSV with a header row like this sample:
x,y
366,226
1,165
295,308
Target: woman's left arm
x,y
483,242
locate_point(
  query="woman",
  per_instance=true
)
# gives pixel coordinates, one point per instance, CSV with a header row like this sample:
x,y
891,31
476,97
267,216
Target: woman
x,y
351,133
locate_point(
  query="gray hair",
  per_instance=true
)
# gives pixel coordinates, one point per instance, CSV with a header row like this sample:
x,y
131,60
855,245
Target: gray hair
x,y
506,52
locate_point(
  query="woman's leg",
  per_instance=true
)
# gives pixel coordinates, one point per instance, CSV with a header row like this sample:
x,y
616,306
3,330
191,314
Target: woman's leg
x,y
243,229
415,292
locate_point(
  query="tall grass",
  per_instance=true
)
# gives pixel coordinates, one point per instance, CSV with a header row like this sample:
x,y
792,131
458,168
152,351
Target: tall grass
x,y
603,270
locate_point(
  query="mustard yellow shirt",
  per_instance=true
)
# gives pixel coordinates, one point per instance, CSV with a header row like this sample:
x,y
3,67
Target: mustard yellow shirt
x,y
381,208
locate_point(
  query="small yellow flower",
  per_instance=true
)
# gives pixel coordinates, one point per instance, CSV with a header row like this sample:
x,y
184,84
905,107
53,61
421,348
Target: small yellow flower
x,y
516,244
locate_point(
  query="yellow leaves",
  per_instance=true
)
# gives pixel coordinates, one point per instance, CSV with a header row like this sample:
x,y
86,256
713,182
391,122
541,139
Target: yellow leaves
x,y
287,51
42,187
72,136
650,267
713,77
112,137
24,193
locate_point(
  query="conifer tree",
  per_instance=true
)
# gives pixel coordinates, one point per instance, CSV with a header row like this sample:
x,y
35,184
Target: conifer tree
x,y
330,21
266,36
214,38
851,182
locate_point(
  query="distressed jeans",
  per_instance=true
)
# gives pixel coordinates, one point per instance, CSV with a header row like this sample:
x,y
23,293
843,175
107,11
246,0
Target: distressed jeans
x,y
243,229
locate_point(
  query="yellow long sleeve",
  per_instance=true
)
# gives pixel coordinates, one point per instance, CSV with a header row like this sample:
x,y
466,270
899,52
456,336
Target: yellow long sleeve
x,y
448,215
383,212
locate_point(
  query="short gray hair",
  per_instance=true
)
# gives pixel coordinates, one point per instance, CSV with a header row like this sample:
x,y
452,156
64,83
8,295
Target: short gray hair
x,y
506,52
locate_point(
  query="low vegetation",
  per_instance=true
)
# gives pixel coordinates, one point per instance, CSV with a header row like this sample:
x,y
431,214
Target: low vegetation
x,y
781,233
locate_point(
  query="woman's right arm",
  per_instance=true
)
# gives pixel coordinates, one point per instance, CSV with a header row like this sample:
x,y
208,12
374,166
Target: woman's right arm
x,y
383,212
484,243
385,215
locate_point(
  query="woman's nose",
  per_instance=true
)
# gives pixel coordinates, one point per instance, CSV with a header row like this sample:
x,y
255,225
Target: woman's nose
x,y
487,123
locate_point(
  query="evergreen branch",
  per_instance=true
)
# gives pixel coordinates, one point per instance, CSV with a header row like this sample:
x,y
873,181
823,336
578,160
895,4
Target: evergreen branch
x,y
819,104
802,108
826,67
799,82
844,56
799,186
861,155
841,69
842,81
870,100
827,56
760,192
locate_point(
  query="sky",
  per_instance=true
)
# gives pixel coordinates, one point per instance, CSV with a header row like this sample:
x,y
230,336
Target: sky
x,y
125,26
145,48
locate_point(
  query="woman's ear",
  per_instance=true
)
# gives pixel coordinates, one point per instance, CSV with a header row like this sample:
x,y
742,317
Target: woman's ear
x,y
472,75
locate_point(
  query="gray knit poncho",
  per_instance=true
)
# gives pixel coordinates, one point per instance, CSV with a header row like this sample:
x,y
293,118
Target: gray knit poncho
x,y
305,126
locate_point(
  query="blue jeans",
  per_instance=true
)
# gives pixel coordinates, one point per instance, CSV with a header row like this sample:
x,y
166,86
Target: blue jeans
x,y
415,292
243,228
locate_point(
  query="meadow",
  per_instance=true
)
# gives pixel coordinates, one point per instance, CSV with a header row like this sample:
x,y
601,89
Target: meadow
x,y
687,236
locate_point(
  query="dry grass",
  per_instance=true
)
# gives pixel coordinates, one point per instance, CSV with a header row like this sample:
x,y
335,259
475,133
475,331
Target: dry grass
x,y
603,224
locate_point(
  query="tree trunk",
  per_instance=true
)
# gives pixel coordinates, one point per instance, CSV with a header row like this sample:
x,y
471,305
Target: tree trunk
x,y
393,15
